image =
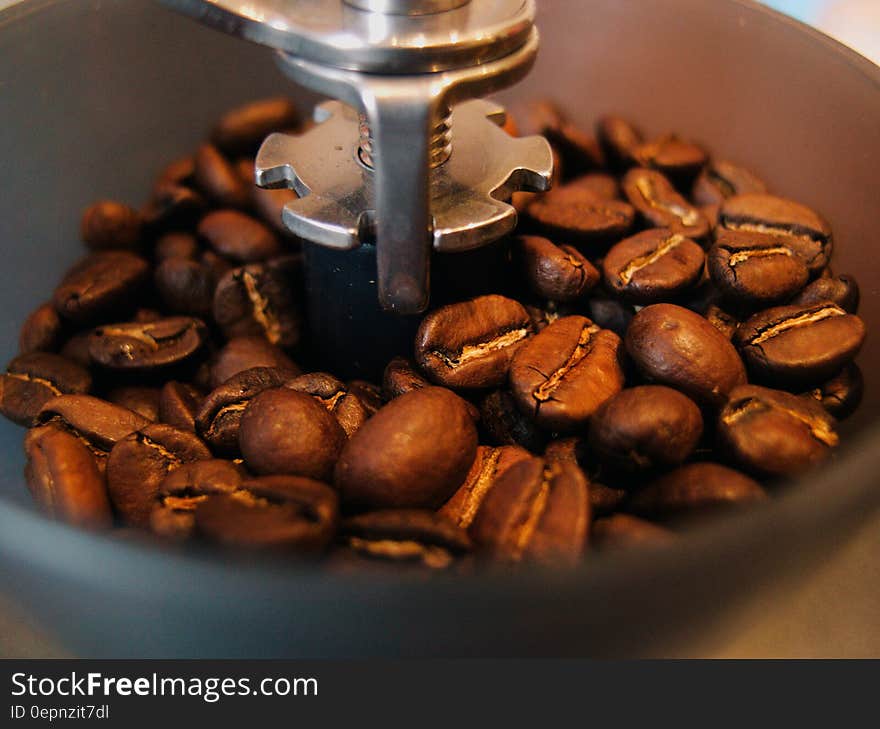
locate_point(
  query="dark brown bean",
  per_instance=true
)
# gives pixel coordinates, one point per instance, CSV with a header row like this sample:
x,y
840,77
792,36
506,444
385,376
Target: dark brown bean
x,y
603,499
842,394
178,405
172,205
721,180
185,286
623,531
369,394
99,423
504,424
243,353
559,273
335,397
723,321
218,179
401,376
41,331
842,290
134,346
610,313
657,201
243,129
31,380
176,245
100,285
142,400
179,171
619,138
239,237
599,183
109,224
679,160
580,217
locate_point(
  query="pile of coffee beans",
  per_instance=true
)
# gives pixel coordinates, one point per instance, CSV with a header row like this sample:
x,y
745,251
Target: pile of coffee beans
x,y
676,344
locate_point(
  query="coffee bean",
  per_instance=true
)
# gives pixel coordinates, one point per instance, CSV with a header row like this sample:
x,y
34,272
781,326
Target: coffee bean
x,y
260,299
335,397
673,346
658,203
620,139
489,465
599,183
41,331
76,349
723,321
842,394
799,345
679,160
100,285
239,237
218,179
646,427
544,314
610,313
580,152
97,422
172,205
721,180
696,489
575,450
623,531
137,347
774,433
470,344
842,290
178,405
563,374
176,245
400,377
652,266
286,513
504,424
369,394
180,171
31,380
559,273
536,512
142,400
139,463
185,287
406,535
243,353
109,224
243,129
64,479
579,217
414,453
753,270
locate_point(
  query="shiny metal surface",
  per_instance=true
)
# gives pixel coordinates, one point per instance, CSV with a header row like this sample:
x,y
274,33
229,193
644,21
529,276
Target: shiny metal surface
x,y
407,7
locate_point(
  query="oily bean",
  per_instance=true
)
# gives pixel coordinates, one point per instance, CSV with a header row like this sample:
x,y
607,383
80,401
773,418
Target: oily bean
x,y
754,270
41,331
600,184
619,139
504,424
335,397
185,287
218,179
172,205
286,513
99,423
679,160
723,321
842,290
414,453
721,180
804,230
799,345
178,405
31,380
842,394
470,344
489,465
243,353
646,427
536,512
652,266
239,237
100,285
287,432
142,400
696,489
580,217
218,418
369,394
623,531
243,129
774,433
108,224
176,245
259,299
140,462
401,376
64,478
658,203
610,313
406,535
673,346
135,347
559,273
564,373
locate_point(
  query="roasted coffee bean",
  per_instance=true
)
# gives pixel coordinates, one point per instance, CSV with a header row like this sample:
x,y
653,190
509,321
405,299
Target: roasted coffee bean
x,y
658,203
109,224
217,265
679,160
140,462
219,416
470,344
842,394
401,376
696,489
100,285
31,380
620,139
287,513
76,349
178,405
580,152
179,172
603,185
218,179
176,245
64,479
723,321
41,331
239,237
563,374
243,129
185,287
610,313
721,180
652,266
580,217
536,512
406,535
842,290
288,432
543,315
559,273
489,465
574,450
142,400
369,394
504,424
335,396
774,433
136,347
674,346
623,531
799,345
98,423
172,205
804,230
243,353
646,427
259,299
414,453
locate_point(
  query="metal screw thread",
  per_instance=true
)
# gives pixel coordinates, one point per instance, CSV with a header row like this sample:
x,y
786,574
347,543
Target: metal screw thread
x,y
439,148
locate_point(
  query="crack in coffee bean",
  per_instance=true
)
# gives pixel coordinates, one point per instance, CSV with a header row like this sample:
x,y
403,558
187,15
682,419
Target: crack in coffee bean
x,y
262,308
523,533
471,352
430,555
790,231
637,264
819,429
687,216
24,377
545,391
747,254
777,328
